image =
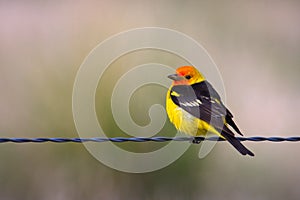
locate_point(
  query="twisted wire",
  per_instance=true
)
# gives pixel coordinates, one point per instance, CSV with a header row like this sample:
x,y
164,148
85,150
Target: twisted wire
x,y
143,139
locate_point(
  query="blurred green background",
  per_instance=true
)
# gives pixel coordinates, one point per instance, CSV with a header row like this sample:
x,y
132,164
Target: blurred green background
x,y
256,46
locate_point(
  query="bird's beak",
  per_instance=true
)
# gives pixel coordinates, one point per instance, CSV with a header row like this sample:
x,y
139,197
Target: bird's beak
x,y
176,77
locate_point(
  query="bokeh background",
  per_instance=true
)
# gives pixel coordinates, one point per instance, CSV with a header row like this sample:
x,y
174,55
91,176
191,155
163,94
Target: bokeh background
x,y
256,45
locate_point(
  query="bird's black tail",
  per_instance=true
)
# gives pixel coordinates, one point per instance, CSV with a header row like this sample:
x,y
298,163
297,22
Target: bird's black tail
x,y
228,135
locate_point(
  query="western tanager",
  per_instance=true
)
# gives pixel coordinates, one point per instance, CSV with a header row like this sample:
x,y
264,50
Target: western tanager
x,y
195,108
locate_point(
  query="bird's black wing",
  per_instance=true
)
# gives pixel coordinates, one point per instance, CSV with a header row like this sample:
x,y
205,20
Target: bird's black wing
x,y
198,102
206,89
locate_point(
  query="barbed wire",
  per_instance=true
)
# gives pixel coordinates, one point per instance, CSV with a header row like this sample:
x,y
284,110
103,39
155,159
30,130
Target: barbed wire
x,y
144,139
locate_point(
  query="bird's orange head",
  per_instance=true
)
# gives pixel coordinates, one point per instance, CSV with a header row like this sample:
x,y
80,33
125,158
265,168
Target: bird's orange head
x,y
186,75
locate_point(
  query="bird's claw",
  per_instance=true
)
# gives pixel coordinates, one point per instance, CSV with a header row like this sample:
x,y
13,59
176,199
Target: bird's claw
x,y
196,141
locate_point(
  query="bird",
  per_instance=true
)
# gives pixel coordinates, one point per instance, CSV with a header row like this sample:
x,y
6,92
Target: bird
x,y
195,108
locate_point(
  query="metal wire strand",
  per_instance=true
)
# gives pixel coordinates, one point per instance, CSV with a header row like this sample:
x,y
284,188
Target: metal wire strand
x,y
143,139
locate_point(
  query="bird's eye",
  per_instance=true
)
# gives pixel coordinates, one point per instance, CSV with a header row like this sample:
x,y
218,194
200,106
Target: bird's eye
x,y
188,77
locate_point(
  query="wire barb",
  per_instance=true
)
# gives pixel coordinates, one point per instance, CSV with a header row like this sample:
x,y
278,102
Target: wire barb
x,y
143,139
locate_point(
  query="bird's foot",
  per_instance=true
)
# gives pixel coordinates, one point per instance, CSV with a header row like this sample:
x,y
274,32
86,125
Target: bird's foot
x,y
196,140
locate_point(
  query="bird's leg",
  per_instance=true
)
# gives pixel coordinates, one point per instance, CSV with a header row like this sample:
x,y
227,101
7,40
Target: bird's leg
x,y
196,140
